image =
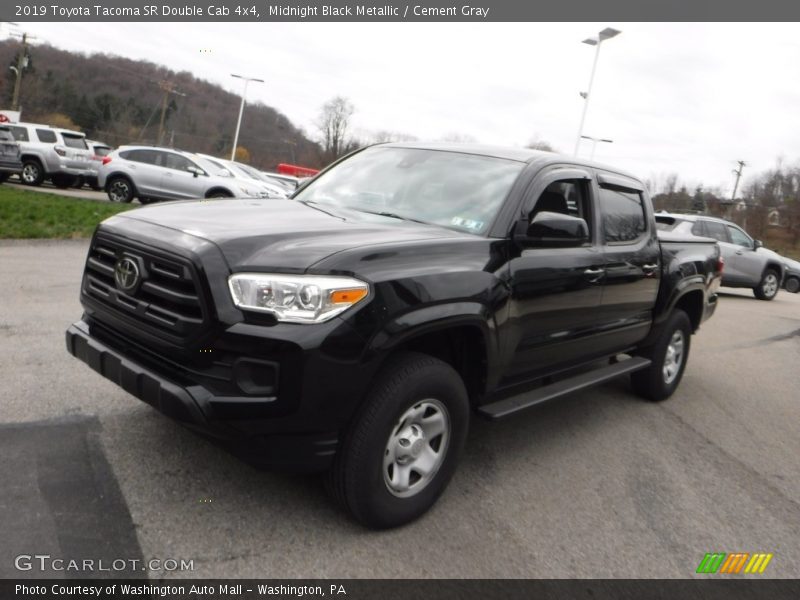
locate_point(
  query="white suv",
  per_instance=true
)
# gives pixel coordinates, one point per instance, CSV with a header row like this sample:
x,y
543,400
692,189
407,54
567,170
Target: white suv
x,y
50,152
150,173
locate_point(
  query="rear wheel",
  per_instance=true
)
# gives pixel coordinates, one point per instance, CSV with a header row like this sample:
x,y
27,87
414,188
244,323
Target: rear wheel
x,y
768,288
403,445
219,194
32,172
120,189
668,354
792,285
3,177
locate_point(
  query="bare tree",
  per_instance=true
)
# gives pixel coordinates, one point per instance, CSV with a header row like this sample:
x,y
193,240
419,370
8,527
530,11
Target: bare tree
x,y
333,123
537,143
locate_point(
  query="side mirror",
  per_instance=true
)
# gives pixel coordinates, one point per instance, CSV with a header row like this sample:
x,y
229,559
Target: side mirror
x,y
195,171
757,244
549,229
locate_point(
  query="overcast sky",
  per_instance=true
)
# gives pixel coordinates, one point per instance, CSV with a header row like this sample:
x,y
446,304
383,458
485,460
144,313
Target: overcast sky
x,y
685,98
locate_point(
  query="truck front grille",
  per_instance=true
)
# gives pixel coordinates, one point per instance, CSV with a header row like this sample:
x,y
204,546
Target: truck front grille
x,y
167,297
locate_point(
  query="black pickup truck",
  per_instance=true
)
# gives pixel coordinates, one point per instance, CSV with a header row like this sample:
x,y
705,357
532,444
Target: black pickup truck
x,y
358,327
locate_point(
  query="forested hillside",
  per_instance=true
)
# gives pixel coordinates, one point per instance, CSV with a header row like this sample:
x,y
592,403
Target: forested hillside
x,y
119,101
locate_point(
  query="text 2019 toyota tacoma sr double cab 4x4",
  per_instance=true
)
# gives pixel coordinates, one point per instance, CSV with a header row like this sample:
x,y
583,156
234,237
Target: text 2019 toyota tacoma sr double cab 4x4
x,y
359,326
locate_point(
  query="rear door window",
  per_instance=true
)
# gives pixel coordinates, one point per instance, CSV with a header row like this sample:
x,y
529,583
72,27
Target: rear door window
x,y
623,214
47,136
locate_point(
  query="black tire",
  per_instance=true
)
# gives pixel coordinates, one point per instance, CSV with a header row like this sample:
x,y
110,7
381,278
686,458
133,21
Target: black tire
x,y
120,189
63,182
32,172
78,182
768,286
219,194
4,177
411,384
657,382
792,284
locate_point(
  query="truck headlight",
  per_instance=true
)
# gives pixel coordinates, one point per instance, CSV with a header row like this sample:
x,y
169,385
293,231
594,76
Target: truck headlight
x,y
296,298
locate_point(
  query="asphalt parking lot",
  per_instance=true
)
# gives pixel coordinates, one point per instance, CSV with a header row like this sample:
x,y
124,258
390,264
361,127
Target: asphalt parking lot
x,y
601,484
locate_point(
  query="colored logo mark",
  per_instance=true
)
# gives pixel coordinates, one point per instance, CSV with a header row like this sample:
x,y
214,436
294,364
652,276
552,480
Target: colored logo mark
x,y
735,563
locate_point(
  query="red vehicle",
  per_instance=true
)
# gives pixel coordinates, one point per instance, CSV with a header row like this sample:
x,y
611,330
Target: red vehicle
x,y
296,171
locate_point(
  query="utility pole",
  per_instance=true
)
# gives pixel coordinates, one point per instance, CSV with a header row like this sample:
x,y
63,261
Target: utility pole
x,y
22,64
738,176
168,88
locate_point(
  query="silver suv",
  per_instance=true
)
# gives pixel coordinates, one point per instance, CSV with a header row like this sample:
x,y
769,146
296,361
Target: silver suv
x,y
748,264
150,173
50,152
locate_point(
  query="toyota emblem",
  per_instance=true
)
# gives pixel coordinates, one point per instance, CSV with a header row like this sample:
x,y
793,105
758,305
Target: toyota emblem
x,y
126,274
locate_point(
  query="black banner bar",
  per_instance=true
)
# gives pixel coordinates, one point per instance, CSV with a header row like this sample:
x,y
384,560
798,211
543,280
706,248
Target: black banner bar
x,y
385,589
430,11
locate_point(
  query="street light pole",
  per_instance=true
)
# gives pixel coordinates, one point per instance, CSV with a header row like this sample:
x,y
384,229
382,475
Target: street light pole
x,y
594,143
606,34
247,80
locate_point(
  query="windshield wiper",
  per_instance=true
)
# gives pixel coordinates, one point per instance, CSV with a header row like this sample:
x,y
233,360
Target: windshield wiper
x,y
315,206
391,215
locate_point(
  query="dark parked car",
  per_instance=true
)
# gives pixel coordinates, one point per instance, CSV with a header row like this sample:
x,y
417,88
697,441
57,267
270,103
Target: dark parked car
x,y
791,281
358,327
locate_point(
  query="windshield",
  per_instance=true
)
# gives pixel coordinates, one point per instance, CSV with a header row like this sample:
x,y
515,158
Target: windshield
x,y
460,191
249,171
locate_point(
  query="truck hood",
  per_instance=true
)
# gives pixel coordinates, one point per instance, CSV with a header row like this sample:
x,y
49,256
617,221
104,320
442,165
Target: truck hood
x,y
285,235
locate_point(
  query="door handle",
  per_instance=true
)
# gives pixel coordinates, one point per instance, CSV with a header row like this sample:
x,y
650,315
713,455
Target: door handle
x,y
739,252
594,274
649,268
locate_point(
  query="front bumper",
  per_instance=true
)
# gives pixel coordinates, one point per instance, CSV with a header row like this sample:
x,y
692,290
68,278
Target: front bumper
x,y
203,411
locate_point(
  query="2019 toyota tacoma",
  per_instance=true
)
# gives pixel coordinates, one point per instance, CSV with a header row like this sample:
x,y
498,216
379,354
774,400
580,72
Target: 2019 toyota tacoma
x,y
358,327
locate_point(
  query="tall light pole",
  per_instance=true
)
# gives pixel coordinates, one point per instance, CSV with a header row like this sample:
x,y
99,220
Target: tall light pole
x,y
594,143
247,80
604,35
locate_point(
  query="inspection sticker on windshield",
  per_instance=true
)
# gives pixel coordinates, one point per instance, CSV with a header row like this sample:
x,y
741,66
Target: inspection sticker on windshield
x,y
470,224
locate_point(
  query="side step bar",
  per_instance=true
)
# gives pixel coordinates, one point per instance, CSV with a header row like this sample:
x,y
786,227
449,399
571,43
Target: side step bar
x,y
509,406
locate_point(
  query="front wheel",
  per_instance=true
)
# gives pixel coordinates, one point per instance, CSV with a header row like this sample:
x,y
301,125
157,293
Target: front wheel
x,y
768,288
668,354
403,445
